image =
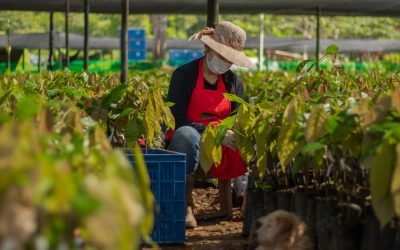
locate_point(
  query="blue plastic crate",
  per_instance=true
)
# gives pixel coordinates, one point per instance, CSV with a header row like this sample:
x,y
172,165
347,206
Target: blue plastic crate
x,y
137,45
175,54
194,54
167,172
136,34
178,57
134,55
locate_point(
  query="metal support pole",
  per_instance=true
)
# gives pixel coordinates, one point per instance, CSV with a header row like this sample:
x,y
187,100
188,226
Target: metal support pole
x,y
102,59
60,59
39,60
67,33
51,42
212,12
86,38
124,40
318,37
261,48
8,46
23,59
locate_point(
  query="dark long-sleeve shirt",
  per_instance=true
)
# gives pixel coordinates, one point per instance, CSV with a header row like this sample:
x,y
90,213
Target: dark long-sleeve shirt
x,y
182,84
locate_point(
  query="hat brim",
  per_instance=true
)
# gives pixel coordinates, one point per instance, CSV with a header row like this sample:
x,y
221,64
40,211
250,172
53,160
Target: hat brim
x,y
236,57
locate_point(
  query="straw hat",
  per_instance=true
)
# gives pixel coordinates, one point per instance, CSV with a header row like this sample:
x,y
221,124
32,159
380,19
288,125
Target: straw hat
x,y
227,39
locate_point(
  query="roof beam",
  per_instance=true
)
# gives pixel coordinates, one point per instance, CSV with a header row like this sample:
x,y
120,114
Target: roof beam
x,y
296,7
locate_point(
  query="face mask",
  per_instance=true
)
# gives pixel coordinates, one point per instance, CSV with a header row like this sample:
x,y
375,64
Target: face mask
x,y
217,65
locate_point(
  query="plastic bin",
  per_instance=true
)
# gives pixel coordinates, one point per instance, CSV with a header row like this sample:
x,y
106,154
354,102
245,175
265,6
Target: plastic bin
x,y
134,55
167,172
178,57
137,45
136,33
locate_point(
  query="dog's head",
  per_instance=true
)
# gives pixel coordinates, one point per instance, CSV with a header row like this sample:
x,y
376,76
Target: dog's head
x,y
279,227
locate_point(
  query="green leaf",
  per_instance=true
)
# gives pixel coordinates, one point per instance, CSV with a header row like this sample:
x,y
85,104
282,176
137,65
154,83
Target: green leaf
x,y
245,119
380,179
126,112
145,190
331,124
298,163
316,124
114,96
301,65
260,135
5,118
88,122
221,132
27,108
384,210
5,97
312,147
53,92
217,155
209,153
169,119
244,129
332,49
169,104
290,112
85,204
134,130
288,147
234,98
207,115
395,183
246,147
228,122
151,120
72,93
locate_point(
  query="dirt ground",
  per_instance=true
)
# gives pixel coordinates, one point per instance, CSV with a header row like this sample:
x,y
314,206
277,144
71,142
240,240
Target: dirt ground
x,y
212,233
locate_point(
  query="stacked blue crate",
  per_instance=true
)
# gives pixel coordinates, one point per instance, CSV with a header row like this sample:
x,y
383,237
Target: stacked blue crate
x,y
167,172
136,44
178,57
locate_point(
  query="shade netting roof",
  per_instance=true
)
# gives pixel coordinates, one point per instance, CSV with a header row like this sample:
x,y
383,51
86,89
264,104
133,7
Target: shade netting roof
x,y
328,7
41,41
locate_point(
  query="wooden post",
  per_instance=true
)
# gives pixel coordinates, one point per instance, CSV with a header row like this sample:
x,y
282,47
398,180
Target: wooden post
x,y
124,40
225,197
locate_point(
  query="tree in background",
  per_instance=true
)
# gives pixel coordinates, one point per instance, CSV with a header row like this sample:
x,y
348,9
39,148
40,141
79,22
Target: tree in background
x,y
23,22
182,26
159,25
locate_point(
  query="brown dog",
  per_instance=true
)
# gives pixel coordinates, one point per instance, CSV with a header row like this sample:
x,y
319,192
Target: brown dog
x,y
281,230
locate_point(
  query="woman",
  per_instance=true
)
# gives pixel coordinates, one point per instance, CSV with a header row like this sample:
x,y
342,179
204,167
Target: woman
x,y
197,90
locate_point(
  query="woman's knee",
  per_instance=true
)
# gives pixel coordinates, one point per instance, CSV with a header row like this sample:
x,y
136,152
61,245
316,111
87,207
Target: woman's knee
x,y
186,135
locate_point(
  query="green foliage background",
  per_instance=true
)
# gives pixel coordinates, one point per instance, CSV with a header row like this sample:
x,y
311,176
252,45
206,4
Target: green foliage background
x,y
182,26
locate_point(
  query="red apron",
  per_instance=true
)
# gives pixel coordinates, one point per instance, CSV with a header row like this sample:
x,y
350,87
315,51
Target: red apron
x,y
217,107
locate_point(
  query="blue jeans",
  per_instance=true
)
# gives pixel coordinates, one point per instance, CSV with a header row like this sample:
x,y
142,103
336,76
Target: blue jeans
x,y
186,140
